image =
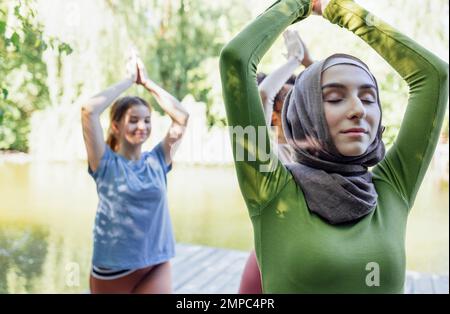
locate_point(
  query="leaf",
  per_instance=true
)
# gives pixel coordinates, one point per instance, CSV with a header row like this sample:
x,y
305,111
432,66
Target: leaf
x,y
2,27
15,39
5,93
65,48
17,10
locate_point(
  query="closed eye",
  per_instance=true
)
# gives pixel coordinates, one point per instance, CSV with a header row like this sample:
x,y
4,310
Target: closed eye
x,y
334,101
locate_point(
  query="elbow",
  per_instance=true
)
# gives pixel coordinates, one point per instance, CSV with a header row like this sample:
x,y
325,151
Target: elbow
x,y
439,74
230,56
443,75
86,110
186,118
181,119
232,66
435,77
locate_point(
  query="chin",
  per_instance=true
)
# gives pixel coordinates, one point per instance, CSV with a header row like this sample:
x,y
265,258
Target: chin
x,y
141,142
353,151
136,142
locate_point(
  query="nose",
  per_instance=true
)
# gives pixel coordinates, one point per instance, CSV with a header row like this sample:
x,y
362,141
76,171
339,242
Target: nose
x,y
356,109
141,125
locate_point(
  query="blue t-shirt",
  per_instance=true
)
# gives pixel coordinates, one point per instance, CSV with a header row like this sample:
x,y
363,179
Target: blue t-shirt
x,y
132,225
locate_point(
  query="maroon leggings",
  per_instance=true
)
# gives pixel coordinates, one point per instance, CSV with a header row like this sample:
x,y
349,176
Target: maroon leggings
x,y
251,276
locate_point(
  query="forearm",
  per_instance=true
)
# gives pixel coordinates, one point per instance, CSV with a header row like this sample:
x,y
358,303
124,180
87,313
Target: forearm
x,y
171,106
97,104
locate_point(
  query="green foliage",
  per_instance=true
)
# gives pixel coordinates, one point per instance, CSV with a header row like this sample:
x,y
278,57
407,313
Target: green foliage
x,y
179,41
23,71
185,35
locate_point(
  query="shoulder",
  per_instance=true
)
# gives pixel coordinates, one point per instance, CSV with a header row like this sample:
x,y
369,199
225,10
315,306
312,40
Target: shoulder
x,y
156,157
104,164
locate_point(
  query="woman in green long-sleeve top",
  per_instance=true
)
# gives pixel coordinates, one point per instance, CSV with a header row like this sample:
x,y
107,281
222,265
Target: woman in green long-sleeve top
x,y
325,223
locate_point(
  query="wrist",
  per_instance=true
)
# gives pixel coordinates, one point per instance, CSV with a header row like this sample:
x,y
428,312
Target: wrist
x,y
307,62
148,84
315,4
295,58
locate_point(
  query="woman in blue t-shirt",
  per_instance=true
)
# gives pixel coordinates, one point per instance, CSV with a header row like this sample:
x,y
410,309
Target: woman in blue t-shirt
x,y
133,238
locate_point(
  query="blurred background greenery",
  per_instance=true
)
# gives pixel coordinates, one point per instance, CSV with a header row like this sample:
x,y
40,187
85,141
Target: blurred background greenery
x,y
55,54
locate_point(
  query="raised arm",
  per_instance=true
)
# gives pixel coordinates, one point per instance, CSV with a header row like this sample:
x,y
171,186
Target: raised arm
x,y
427,77
90,116
273,83
172,107
297,54
238,64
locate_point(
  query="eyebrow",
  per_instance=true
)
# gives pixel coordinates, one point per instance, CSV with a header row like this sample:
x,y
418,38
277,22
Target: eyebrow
x,y
137,117
342,86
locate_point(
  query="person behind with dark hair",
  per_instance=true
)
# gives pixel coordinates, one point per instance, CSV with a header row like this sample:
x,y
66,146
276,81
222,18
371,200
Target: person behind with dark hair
x,y
133,238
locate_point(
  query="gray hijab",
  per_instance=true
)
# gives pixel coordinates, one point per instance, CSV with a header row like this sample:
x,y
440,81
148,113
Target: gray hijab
x,y
337,188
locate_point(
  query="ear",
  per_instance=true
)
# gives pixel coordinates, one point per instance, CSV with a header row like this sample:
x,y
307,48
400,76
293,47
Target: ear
x,y
115,128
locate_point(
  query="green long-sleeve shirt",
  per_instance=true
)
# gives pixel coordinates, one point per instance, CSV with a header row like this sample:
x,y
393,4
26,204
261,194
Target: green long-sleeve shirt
x,y
298,252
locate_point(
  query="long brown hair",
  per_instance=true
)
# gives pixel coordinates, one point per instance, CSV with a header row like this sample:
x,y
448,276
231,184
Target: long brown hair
x,y
118,110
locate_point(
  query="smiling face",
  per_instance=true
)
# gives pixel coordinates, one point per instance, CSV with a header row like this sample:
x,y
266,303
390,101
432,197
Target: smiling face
x,y
135,126
351,108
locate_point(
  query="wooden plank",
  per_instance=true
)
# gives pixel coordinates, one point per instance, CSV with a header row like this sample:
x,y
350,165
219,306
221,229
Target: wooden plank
x,y
184,262
232,268
422,283
192,266
230,284
409,283
229,279
210,270
192,281
184,252
206,273
440,284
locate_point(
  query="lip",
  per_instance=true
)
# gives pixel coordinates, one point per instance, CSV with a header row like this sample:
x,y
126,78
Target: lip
x,y
354,131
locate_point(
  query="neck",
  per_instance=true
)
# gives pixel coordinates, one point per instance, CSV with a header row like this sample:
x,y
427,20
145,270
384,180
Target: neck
x,y
280,135
130,152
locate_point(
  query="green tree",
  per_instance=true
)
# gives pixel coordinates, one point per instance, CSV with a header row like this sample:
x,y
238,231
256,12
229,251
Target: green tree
x,y
175,38
23,71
